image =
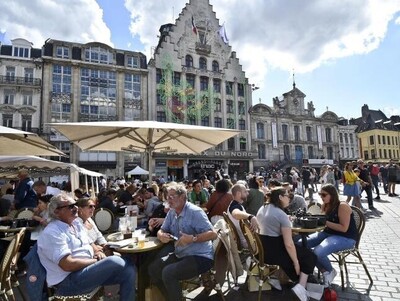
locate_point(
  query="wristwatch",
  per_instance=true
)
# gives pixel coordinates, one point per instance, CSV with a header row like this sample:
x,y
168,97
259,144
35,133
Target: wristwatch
x,y
250,217
194,239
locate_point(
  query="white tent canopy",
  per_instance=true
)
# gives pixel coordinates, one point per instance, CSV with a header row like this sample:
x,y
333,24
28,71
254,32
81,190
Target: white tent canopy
x,y
40,167
137,171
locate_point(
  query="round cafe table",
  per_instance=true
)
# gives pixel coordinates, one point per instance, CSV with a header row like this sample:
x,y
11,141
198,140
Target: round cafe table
x,y
304,232
151,244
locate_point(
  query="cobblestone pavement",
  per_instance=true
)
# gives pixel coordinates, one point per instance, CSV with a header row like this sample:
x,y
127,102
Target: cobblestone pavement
x,y
379,247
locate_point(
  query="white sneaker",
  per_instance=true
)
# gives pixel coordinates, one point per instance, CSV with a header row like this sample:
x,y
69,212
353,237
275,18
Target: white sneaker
x,y
328,277
300,292
275,283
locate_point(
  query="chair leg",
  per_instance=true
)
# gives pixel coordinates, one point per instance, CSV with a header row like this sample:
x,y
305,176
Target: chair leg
x,y
260,285
364,266
219,291
342,264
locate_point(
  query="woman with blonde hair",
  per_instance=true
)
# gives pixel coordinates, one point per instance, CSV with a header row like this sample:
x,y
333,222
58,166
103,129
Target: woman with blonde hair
x,y
351,188
86,209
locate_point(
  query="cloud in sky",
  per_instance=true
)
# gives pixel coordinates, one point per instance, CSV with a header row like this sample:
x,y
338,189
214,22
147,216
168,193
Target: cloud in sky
x,y
37,20
284,34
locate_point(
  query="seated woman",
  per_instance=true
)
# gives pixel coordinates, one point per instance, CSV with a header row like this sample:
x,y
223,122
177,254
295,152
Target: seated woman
x,y
157,218
276,236
340,232
41,215
86,209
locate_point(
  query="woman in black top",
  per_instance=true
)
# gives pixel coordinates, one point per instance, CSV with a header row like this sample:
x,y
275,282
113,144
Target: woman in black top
x,y
340,232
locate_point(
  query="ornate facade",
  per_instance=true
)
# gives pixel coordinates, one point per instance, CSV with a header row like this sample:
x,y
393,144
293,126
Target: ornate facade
x,y
196,78
20,85
92,82
288,133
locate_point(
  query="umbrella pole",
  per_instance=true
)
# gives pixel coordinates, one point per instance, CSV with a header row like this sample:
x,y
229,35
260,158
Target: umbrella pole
x,y
150,159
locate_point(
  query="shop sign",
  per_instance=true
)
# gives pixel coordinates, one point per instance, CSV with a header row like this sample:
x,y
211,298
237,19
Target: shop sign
x,y
175,163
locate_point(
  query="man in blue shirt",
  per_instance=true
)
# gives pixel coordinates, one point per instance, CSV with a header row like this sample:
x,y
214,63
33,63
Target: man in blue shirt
x,y
187,234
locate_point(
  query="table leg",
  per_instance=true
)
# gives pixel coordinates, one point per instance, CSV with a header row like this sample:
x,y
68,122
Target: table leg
x,y
304,240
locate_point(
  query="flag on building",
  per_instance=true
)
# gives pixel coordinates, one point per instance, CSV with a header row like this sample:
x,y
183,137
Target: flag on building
x,y
222,34
194,28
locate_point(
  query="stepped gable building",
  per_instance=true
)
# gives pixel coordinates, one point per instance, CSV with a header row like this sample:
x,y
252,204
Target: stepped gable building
x,y
196,78
20,85
93,82
378,135
288,133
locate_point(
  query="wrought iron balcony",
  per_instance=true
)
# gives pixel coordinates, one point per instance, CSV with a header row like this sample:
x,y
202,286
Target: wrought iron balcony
x,y
19,81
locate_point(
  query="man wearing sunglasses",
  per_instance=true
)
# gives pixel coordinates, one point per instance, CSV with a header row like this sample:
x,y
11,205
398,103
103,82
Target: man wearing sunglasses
x,y
71,266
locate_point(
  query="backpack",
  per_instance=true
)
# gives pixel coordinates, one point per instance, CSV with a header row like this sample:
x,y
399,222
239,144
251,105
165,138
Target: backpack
x,y
374,170
35,276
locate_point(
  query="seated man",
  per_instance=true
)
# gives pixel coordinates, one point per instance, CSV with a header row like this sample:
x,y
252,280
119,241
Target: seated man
x,y
72,267
192,252
236,212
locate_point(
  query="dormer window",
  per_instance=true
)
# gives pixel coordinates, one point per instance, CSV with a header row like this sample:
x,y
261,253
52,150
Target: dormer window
x,y
21,52
132,61
62,52
100,55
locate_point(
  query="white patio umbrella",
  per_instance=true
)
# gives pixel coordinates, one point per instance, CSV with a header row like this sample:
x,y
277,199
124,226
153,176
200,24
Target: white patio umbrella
x,y
143,136
137,171
20,143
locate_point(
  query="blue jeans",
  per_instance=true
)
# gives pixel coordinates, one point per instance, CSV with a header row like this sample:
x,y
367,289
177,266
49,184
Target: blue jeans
x,y
108,271
166,271
325,244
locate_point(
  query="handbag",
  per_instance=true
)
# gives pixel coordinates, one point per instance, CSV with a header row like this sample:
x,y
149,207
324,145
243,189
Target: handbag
x,y
329,294
215,203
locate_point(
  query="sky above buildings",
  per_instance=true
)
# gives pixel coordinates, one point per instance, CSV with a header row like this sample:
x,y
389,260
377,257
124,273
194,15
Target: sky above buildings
x,y
344,53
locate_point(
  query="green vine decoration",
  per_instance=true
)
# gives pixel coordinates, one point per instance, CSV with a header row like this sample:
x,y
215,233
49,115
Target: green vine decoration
x,y
181,100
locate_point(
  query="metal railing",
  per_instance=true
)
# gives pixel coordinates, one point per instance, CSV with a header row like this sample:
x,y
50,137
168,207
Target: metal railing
x,y
19,80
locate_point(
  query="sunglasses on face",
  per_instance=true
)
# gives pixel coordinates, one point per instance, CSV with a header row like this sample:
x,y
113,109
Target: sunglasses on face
x,y
323,194
90,206
70,206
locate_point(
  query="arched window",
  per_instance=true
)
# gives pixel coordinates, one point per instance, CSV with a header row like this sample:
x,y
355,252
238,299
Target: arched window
x,y
203,63
189,61
215,66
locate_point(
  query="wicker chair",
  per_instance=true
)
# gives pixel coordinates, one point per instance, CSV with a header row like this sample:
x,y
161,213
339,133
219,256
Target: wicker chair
x,y
234,231
96,294
258,268
104,219
214,278
341,257
314,208
7,262
25,213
